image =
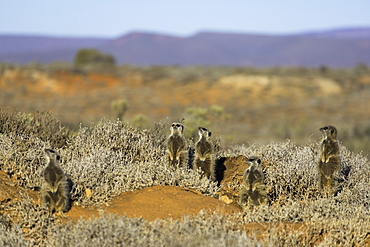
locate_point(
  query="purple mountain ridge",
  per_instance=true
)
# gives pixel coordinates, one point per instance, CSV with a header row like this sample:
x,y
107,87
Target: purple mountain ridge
x,y
335,48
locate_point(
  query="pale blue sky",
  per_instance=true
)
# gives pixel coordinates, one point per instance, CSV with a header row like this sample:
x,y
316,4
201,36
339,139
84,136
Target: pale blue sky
x,y
113,18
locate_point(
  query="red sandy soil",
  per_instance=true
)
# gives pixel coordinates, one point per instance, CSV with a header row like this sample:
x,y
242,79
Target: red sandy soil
x,y
164,202
158,202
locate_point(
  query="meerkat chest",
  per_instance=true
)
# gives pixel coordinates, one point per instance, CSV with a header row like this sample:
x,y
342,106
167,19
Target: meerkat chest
x,y
257,176
176,141
326,144
204,146
254,176
329,146
52,173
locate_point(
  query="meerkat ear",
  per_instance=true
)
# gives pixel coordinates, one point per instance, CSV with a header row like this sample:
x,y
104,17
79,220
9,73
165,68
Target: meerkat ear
x,y
209,133
259,161
58,157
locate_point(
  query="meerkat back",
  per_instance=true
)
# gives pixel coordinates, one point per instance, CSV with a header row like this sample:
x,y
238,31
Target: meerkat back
x,y
204,154
329,162
176,146
54,189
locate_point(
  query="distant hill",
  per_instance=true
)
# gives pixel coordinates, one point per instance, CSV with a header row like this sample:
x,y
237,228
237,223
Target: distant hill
x,y
335,48
346,33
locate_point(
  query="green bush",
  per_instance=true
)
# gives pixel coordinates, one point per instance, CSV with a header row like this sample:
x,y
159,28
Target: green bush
x,y
119,107
93,59
202,117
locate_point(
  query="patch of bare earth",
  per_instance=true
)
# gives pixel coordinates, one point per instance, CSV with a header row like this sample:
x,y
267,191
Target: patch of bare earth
x,y
158,202
165,202
10,192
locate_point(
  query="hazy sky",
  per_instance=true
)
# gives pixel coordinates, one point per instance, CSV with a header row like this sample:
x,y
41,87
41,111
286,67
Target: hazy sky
x,y
112,18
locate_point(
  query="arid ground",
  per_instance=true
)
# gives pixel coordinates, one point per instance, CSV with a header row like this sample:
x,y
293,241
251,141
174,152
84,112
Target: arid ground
x,y
118,166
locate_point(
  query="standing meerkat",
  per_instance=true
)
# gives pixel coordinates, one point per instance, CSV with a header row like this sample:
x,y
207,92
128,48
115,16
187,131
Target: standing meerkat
x,y
329,162
253,191
54,189
204,154
176,146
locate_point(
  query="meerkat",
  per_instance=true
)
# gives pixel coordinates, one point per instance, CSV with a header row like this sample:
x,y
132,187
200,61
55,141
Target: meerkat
x,y
329,162
176,146
253,191
54,189
204,154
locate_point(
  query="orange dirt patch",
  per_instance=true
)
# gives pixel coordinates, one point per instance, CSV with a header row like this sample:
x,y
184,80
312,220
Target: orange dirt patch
x,y
234,168
9,191
158,202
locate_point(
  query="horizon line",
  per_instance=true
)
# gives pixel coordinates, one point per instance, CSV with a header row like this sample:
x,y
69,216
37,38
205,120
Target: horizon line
x,y
81,36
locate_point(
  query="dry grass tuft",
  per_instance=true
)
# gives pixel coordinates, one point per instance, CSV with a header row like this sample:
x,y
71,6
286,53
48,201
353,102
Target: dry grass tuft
x,y
106,159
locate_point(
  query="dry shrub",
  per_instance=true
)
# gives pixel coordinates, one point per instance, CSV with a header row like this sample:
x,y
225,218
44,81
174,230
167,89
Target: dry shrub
x,y
356,173
200,230
107,158
113,157
291,171
11,235
29,220
22,157
39,124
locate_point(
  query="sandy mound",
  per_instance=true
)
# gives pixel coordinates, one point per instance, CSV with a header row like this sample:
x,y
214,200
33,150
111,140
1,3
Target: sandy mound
x,y
10,192
232,169
157,202
150,203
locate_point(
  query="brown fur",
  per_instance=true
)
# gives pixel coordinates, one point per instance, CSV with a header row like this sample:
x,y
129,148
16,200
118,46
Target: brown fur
x,y
176,146
54,189
329,162
204,154
253,191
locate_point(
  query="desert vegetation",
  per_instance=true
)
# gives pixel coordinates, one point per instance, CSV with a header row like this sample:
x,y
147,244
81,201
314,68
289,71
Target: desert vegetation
x,y
92,59
241,104
109,157
110,126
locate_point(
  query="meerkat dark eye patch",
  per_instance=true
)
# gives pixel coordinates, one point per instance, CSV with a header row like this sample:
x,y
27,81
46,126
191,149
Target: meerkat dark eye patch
x,y
252,159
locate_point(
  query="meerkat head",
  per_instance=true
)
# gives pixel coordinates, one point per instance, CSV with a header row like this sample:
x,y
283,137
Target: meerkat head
x,y
254,161
51,155
204,132
329,131
177,128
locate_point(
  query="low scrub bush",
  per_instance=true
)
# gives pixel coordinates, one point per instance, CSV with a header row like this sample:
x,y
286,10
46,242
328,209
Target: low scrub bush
x,y
122,231
112,157
42,125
